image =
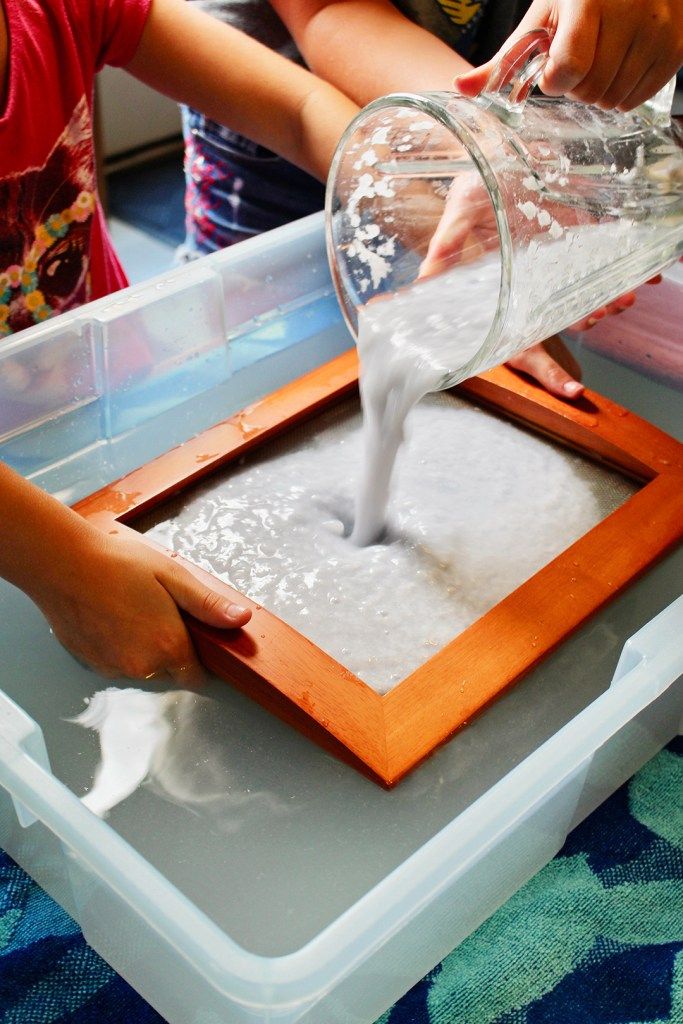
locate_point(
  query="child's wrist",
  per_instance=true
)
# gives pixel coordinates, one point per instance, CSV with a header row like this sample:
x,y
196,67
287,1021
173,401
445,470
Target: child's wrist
x,y
67,558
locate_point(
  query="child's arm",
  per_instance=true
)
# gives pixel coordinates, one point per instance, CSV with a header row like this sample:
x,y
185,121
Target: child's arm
x,y
231,78
112,602
614,53
367,48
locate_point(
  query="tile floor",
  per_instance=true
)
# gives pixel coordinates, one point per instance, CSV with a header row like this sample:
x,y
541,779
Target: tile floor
x,y
146,215
142,255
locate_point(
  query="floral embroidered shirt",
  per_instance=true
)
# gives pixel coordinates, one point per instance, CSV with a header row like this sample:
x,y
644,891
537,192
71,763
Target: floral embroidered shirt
x,y
55,251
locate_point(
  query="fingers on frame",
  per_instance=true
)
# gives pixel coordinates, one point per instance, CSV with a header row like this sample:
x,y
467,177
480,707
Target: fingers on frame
x,y
539,364
182,666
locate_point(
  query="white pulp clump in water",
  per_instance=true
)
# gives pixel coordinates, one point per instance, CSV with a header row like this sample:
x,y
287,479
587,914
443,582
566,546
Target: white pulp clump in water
x,y
479,505
152,739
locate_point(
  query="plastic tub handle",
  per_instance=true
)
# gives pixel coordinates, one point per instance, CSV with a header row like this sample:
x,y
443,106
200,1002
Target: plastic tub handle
x,y
24,734
656,648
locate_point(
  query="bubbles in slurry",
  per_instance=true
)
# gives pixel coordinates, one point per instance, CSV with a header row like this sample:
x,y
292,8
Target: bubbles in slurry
x,y
335,526
446,554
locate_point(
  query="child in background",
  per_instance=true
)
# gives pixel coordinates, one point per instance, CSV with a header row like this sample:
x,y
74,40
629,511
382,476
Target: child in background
x,y
115,603
236,188
610,52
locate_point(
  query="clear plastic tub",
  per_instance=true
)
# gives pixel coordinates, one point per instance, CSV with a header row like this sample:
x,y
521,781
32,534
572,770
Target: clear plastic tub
x,y
300,891
88,395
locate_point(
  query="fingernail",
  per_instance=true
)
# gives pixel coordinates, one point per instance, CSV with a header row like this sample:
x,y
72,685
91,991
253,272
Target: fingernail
x,y
572,388
236,609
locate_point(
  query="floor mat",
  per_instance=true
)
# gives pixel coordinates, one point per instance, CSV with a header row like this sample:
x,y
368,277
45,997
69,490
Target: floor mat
x,y
151,197
595,938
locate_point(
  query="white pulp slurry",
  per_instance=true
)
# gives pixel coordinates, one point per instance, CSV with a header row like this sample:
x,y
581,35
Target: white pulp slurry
x,y
135,730
426,334
478,506
408,344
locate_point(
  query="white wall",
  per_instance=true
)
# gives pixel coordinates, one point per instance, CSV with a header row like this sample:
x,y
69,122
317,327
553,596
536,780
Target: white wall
x,y
131,114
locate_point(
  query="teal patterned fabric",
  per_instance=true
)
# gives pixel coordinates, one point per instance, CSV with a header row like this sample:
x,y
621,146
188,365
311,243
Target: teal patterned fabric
x,y
594,938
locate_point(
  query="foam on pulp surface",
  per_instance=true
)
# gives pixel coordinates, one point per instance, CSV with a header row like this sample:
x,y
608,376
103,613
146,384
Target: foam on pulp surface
x,y
478,506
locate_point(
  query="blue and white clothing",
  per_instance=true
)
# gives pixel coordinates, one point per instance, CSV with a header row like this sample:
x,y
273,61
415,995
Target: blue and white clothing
x,y
236,188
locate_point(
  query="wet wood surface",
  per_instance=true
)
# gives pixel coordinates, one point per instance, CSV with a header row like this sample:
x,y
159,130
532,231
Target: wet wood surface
x,y
387,736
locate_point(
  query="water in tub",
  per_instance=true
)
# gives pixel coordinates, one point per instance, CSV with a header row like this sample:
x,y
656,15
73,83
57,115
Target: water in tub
x,y
153,739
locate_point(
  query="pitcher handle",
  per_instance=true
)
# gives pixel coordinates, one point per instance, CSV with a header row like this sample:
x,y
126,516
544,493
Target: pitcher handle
x,y
520,68
657,110
515,75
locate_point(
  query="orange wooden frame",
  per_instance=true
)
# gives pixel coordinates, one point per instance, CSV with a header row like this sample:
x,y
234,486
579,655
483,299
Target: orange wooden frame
x,y
386,736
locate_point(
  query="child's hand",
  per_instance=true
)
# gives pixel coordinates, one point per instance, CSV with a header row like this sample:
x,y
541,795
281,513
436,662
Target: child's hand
x,y
467,227
613,53
466,230
119,610
552,365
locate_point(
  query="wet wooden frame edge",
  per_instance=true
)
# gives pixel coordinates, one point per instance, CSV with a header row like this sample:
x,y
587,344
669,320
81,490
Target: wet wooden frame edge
x,y
387,736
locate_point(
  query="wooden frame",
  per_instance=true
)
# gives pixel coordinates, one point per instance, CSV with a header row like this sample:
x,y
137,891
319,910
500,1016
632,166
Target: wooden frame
x,y
386,736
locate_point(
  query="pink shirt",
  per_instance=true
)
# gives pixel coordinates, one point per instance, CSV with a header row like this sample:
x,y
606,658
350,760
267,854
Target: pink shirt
x,y
55,251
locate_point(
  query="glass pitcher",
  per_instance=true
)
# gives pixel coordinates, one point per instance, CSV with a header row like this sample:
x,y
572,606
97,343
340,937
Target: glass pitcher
x,y
502,219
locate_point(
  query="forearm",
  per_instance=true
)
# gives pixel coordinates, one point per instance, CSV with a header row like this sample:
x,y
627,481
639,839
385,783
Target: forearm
x,y
197,60
110,598
44,541
367,48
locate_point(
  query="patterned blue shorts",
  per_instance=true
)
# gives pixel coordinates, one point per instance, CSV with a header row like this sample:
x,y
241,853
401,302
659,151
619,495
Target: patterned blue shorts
x,y
236,188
